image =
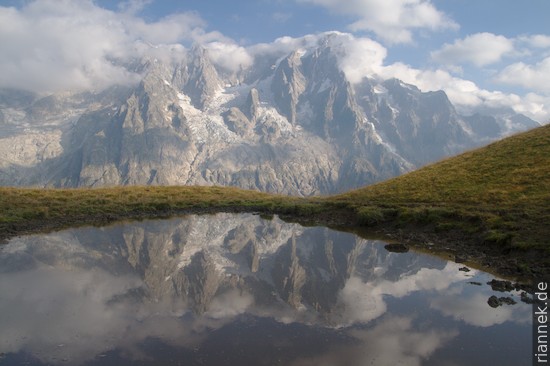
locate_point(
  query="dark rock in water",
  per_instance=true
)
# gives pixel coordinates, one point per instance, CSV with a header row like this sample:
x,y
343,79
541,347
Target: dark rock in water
x,y
464,269
396,248
475,283
501,286
495,302
526,298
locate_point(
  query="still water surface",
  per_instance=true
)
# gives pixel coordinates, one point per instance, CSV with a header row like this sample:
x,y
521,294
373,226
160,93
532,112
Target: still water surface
x,y
231,289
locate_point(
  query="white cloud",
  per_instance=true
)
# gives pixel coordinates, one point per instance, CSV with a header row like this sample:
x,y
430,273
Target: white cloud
x,y
474,310
171,29
284,45
362,57
535,105
479,49
49,45
49,306
391,20
535,77
536,40
484,49
229,55
392,341
364,301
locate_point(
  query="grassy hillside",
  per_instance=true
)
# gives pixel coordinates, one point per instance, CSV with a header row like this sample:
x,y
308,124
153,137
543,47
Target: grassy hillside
x,y
495,198
501,191
514,171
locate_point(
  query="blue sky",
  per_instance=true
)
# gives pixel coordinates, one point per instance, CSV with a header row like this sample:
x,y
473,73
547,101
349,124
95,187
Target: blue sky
x,y
493,52
264,20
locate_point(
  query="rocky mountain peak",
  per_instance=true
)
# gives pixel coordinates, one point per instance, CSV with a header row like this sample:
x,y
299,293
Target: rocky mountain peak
x,y
293,124
288,84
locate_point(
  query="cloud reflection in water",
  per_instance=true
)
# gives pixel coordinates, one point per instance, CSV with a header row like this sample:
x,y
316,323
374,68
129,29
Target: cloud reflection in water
x,y
78,295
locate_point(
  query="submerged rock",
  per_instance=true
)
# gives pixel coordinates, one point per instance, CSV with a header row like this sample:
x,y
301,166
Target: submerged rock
x,y
396,248
501,286
495,302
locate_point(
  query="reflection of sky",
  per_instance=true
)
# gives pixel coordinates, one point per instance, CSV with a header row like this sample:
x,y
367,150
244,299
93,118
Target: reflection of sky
x,y
364,301
393,341
473,309
49,311
61,307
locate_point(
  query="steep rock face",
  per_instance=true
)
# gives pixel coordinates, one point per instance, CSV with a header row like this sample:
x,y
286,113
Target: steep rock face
x,y
324,102
483,126
252,106
288,84
497,122
197,77
424,127
292,124
36,145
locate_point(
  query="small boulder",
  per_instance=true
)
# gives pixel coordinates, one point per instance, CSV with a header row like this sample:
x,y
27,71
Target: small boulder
x,y
501,286
495,302
396,248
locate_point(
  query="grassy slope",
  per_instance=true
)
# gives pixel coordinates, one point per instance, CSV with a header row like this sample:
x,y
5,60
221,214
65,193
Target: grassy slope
x,y
501,191
499,195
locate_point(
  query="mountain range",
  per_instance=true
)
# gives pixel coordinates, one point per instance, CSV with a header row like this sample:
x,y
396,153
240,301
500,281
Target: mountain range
x,y
289,123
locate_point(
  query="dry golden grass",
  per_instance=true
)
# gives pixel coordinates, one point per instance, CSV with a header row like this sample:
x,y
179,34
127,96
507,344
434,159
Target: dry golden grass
x,y
17,204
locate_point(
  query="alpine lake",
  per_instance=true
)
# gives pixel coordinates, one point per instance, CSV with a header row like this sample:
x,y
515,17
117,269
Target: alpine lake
x,y
240,289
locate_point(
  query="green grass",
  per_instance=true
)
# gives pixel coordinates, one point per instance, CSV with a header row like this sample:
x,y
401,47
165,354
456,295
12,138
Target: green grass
x,y
22,206
499,194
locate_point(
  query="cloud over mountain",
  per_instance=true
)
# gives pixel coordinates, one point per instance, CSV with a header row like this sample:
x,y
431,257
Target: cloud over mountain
x,y
50,46
55,45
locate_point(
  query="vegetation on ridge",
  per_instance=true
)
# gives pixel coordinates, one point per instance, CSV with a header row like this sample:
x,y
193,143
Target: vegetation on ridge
x,y
499,195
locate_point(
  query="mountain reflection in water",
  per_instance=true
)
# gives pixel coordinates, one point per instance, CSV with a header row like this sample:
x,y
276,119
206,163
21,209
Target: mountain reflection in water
x,y
237,289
